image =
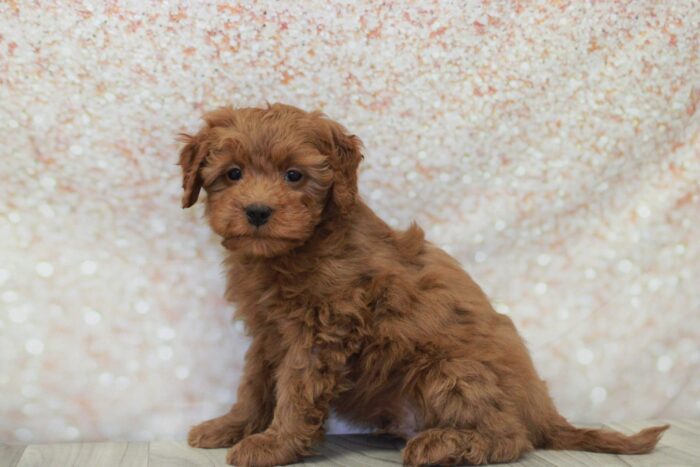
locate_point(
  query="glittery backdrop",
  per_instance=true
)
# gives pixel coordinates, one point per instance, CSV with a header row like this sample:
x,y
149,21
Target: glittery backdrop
x,y
553,147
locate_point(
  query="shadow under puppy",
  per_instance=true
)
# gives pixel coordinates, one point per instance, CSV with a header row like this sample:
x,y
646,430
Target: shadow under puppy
x,y
346,312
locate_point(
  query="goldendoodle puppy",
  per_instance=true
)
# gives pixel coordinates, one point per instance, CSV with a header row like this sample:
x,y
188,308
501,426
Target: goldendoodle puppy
x,y
346,313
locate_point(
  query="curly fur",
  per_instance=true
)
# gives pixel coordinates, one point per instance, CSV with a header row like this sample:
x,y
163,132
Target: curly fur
x,y
347,313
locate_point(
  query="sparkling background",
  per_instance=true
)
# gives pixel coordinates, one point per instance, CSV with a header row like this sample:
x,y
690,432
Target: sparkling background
x,y
553,148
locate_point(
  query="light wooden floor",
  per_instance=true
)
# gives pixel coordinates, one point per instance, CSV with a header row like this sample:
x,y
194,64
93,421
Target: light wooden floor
x,y
680,446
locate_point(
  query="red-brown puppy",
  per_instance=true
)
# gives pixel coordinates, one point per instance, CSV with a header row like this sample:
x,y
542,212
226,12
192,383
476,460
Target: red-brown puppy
x,y
345,312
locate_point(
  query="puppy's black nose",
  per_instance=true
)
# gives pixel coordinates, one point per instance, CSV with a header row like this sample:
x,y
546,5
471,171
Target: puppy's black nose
x,y
258,214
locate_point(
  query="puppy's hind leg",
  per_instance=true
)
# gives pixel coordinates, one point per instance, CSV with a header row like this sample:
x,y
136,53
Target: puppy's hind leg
x,y
457,446
446,446
467,419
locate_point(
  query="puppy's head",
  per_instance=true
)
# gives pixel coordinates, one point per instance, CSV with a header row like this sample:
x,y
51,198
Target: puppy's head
x,y
271,175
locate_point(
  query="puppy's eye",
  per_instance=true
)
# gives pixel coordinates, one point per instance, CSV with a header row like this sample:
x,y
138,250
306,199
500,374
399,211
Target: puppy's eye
x,y
293,176
234,174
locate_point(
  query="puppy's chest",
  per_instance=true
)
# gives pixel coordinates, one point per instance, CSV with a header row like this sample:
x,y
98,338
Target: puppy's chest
x,y
316,318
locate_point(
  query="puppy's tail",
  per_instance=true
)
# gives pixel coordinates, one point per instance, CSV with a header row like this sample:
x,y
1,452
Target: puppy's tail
x,y
563,435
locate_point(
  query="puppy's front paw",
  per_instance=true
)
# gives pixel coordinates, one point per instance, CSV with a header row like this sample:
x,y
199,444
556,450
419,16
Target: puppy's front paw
x,y
221,432
262,449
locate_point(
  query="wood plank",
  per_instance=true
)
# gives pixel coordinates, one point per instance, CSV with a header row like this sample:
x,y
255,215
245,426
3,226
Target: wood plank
x,y
357,451
672,449
372,451
10,455
577,459
340,450
533,459
85,454
682,436
680,446
179,454
687,427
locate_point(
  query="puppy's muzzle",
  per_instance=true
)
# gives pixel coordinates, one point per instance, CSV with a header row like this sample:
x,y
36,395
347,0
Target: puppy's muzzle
x,y
258,214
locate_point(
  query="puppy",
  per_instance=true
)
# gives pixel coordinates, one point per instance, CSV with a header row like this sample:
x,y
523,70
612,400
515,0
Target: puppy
x,y
346,313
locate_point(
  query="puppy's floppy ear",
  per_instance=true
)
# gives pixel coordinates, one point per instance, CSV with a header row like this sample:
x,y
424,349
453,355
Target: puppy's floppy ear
x,y
344,151
194,153
192,157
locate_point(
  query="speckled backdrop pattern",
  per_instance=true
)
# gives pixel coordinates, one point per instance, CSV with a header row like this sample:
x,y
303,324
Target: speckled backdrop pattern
x,y
552,147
